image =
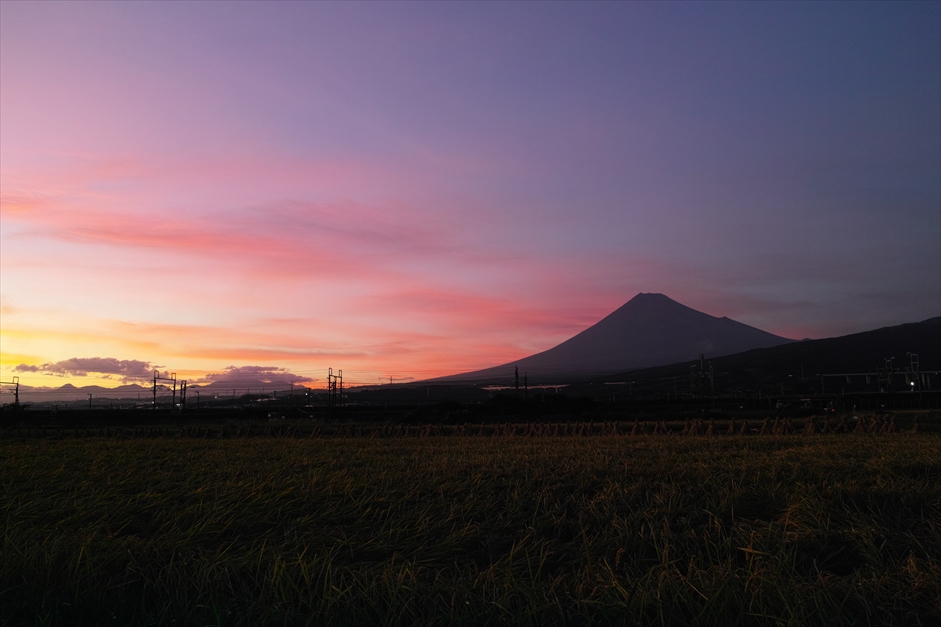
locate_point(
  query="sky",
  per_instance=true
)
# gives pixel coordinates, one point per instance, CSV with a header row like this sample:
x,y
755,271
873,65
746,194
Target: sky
x,y
407,190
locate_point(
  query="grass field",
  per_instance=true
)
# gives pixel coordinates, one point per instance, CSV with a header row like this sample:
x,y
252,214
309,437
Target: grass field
x,y
645,530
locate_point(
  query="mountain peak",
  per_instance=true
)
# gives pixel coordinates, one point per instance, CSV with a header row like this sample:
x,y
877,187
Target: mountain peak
x,y
655,300
651,297
651,329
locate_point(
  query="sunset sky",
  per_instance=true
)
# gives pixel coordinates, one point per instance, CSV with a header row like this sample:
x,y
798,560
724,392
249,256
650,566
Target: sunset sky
x,y
419,189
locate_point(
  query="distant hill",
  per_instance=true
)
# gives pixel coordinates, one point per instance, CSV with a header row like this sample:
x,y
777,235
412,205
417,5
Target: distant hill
x,y
246,383
848,354
649,330
71,393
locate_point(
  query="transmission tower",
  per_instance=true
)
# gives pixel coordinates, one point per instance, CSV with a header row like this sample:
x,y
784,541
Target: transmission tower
x,y
334,388
16,391
885,374
699,379
168,377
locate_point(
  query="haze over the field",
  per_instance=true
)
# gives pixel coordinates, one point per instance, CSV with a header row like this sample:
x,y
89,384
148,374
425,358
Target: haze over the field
x,y
416,190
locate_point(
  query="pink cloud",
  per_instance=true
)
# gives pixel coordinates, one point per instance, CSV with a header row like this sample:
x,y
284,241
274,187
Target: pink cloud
x,y
282,240
265,374
127,369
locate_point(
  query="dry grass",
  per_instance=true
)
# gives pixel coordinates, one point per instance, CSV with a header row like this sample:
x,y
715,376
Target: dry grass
x,y
731,530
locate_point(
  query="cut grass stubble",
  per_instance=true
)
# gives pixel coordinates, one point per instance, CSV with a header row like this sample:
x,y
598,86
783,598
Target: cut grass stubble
x,y
596,530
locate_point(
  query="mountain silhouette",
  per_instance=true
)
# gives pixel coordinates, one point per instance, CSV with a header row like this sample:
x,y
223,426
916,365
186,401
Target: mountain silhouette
x,y
649,330
864,352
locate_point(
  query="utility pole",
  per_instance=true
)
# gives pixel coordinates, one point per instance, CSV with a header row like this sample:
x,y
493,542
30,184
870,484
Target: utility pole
x,y
916,375
89,401
913,368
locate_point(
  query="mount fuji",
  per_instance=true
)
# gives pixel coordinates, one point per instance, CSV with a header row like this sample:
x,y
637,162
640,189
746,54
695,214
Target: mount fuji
x,y
649,330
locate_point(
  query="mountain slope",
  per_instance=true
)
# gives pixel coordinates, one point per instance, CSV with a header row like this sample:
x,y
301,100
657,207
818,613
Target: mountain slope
x,y
855,353
649,330
798,365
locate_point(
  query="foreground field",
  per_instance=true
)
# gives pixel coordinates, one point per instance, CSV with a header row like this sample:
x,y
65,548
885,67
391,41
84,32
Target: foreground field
x,y
646,530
